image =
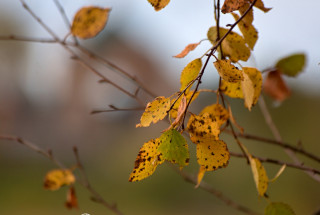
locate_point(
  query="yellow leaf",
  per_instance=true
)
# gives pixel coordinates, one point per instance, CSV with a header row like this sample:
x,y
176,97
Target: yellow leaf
x,y
173,112
186,50
232,90
217,112
155,111
58,178
212,154
159,4
72,201
227,71
180,113
280,171
147,160
234,46
248,31
189,73
89,21
251,86
201,173
259,4
231,5
203,127
248,19
259,175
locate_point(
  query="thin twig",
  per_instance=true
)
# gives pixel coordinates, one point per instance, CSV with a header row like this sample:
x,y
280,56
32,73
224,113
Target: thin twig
x,y
26,39
115,109
267,116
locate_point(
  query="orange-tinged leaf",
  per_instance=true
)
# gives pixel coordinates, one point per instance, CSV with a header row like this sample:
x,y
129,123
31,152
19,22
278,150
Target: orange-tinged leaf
x,y
201,173
217,112
58,178
248,19
186,50
212,154
173,112
259,4
227,71
159,4
147,160
190,72
89,21
180,114
234,45
251,86
259,175
248,31
203,127
233,90
231,5
174,148
72,201
275,86
291,65
278,208
155,111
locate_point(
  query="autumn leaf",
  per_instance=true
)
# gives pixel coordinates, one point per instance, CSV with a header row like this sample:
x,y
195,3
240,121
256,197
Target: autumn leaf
x,y
251,86
57,178
233,120
202,171
233,46
155,111
231,5
147,160
227,71
72,201
189,73
278,208
174,111
233,90
291,65
180,114
186,50
259,175
275,86
89,21
259,4
203,127
248,31
217,112
212,154
174,148
248,18
159,4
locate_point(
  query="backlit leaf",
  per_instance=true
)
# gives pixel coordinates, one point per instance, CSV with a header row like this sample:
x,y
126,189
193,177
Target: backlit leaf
x,y
231,5
275,86
212,154
233,90
147,160
291,65
259,4
89,21
234,45
58,178
203,127
248,19
227,71
217,112
72,201
259,175
248,31
278,208
251,86
190,72
174,148
159,4
187,49
155,111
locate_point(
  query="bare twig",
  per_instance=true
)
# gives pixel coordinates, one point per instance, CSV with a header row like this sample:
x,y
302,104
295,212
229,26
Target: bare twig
x,y
115,109
26,39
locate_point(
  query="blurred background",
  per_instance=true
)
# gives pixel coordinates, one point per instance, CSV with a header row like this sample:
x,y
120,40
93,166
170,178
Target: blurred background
x,y
46,98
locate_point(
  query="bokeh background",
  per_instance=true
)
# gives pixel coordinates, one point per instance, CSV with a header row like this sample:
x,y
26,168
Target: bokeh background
x,y
46,98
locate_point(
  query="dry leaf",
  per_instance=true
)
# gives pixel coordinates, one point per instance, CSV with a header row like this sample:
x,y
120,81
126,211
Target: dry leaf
x,y
231,5
58,178
180,113
201,173
227,71
259,175
259,4
72,201
89,21
275,86
159,4
186,50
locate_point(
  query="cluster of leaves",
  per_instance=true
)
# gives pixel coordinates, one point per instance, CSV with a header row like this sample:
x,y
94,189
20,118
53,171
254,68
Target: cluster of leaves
x,y
204,128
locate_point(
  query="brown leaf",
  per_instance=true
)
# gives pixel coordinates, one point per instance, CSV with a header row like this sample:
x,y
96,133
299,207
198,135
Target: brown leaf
x,y
180,113
259,4
275,86
186,50
72,201
231,5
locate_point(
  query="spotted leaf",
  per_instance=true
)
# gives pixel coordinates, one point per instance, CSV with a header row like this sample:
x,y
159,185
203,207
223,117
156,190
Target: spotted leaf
x,y
216,111
227,71
231,5
259,175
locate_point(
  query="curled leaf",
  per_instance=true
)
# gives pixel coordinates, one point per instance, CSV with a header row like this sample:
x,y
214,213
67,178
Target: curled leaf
x,y
231,5
180,113
251,86
72,201
186,50
58,178
275,86
202,171
89,21
155,111
259,4
280,171
159,4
